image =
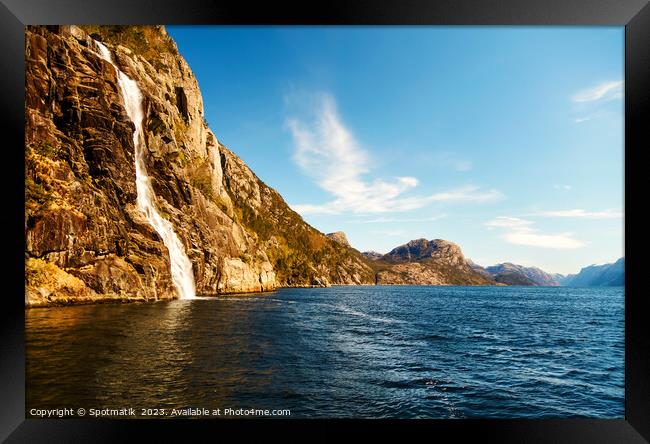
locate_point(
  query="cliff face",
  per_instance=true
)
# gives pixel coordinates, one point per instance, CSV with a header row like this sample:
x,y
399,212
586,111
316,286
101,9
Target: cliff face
x,y
423,262
87,240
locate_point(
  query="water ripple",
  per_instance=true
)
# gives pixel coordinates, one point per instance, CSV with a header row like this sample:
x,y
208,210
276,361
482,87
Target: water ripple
x,y
378,352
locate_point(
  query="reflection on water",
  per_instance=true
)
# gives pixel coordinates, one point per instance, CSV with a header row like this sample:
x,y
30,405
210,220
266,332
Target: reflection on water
x,y
344,351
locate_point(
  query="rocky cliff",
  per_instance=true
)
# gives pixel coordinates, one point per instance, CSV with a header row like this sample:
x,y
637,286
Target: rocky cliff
x,y
424,262
87,240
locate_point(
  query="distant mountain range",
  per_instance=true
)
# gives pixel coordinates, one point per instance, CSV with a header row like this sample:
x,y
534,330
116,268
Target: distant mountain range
x,y
513,274
607,275
440,262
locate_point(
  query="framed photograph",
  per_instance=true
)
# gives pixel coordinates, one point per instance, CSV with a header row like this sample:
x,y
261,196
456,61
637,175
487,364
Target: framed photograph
x,y
397,215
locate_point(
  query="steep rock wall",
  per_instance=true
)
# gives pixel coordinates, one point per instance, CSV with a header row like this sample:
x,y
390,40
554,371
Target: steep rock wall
x,y
82,223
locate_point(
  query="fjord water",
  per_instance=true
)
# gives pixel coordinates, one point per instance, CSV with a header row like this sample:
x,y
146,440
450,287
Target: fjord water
x,y
380,352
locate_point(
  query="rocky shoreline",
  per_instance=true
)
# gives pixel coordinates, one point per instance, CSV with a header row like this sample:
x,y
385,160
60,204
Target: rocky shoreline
x,y
108,299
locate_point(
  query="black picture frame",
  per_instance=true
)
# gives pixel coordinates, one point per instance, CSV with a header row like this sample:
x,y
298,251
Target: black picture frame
x,y
633,14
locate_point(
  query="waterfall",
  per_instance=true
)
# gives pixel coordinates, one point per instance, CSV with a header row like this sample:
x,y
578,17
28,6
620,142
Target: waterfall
x,y
181,267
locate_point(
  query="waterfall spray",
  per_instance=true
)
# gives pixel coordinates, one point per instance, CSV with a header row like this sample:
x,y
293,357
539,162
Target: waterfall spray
x,y
181,267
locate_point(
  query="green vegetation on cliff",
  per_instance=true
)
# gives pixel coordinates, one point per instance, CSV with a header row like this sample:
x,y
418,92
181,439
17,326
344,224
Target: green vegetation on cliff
x,y
147,41
300,254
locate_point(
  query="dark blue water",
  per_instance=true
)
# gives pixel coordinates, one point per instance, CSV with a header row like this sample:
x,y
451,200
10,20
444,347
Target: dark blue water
x,y
405,352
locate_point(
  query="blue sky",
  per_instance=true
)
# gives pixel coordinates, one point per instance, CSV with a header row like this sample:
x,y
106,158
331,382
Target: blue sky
x,y
505,140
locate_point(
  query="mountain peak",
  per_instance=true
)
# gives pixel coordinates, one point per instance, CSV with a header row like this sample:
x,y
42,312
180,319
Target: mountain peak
x,y
340,237
422,249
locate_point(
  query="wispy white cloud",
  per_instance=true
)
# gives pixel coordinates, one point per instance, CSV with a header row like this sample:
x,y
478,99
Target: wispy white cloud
x,y
380,197
521,232
467,193
562,187
582,119
604,91
329,153
508,222
561,241
580,213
